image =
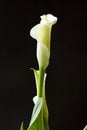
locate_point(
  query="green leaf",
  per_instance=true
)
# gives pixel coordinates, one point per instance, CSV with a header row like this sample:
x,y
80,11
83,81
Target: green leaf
x,y
85,128
36,74
22,126
35,119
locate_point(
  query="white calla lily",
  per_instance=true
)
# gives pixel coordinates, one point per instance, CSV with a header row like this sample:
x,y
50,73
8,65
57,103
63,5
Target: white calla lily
x,y
42,33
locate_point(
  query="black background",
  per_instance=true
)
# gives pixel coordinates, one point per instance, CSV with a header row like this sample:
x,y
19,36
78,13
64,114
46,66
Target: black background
x,y
66,86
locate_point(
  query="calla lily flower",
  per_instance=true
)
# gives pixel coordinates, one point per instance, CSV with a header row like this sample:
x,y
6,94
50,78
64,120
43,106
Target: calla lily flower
x,y
42,33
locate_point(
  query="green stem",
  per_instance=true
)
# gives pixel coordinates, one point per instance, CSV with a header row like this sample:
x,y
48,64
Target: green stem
x,y
41,80
40,93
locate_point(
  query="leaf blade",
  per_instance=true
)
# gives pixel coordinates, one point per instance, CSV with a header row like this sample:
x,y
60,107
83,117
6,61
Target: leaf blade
x,y
22,126
35,118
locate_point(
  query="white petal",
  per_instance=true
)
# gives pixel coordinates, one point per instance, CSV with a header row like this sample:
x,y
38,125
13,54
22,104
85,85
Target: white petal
x,y
35,99
49,18
42,55
33,31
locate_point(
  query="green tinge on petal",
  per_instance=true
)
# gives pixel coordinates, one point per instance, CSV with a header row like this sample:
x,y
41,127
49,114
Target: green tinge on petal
x,y
44,35
42,32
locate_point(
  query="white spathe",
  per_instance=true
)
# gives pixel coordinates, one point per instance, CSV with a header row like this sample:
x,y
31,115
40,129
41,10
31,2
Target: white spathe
x,y
42,33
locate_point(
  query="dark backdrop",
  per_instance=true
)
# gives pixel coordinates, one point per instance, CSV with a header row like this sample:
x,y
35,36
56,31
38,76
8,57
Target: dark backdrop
x,y
66,85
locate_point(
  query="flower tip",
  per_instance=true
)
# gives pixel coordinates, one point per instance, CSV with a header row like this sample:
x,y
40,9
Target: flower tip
x,y
49,18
